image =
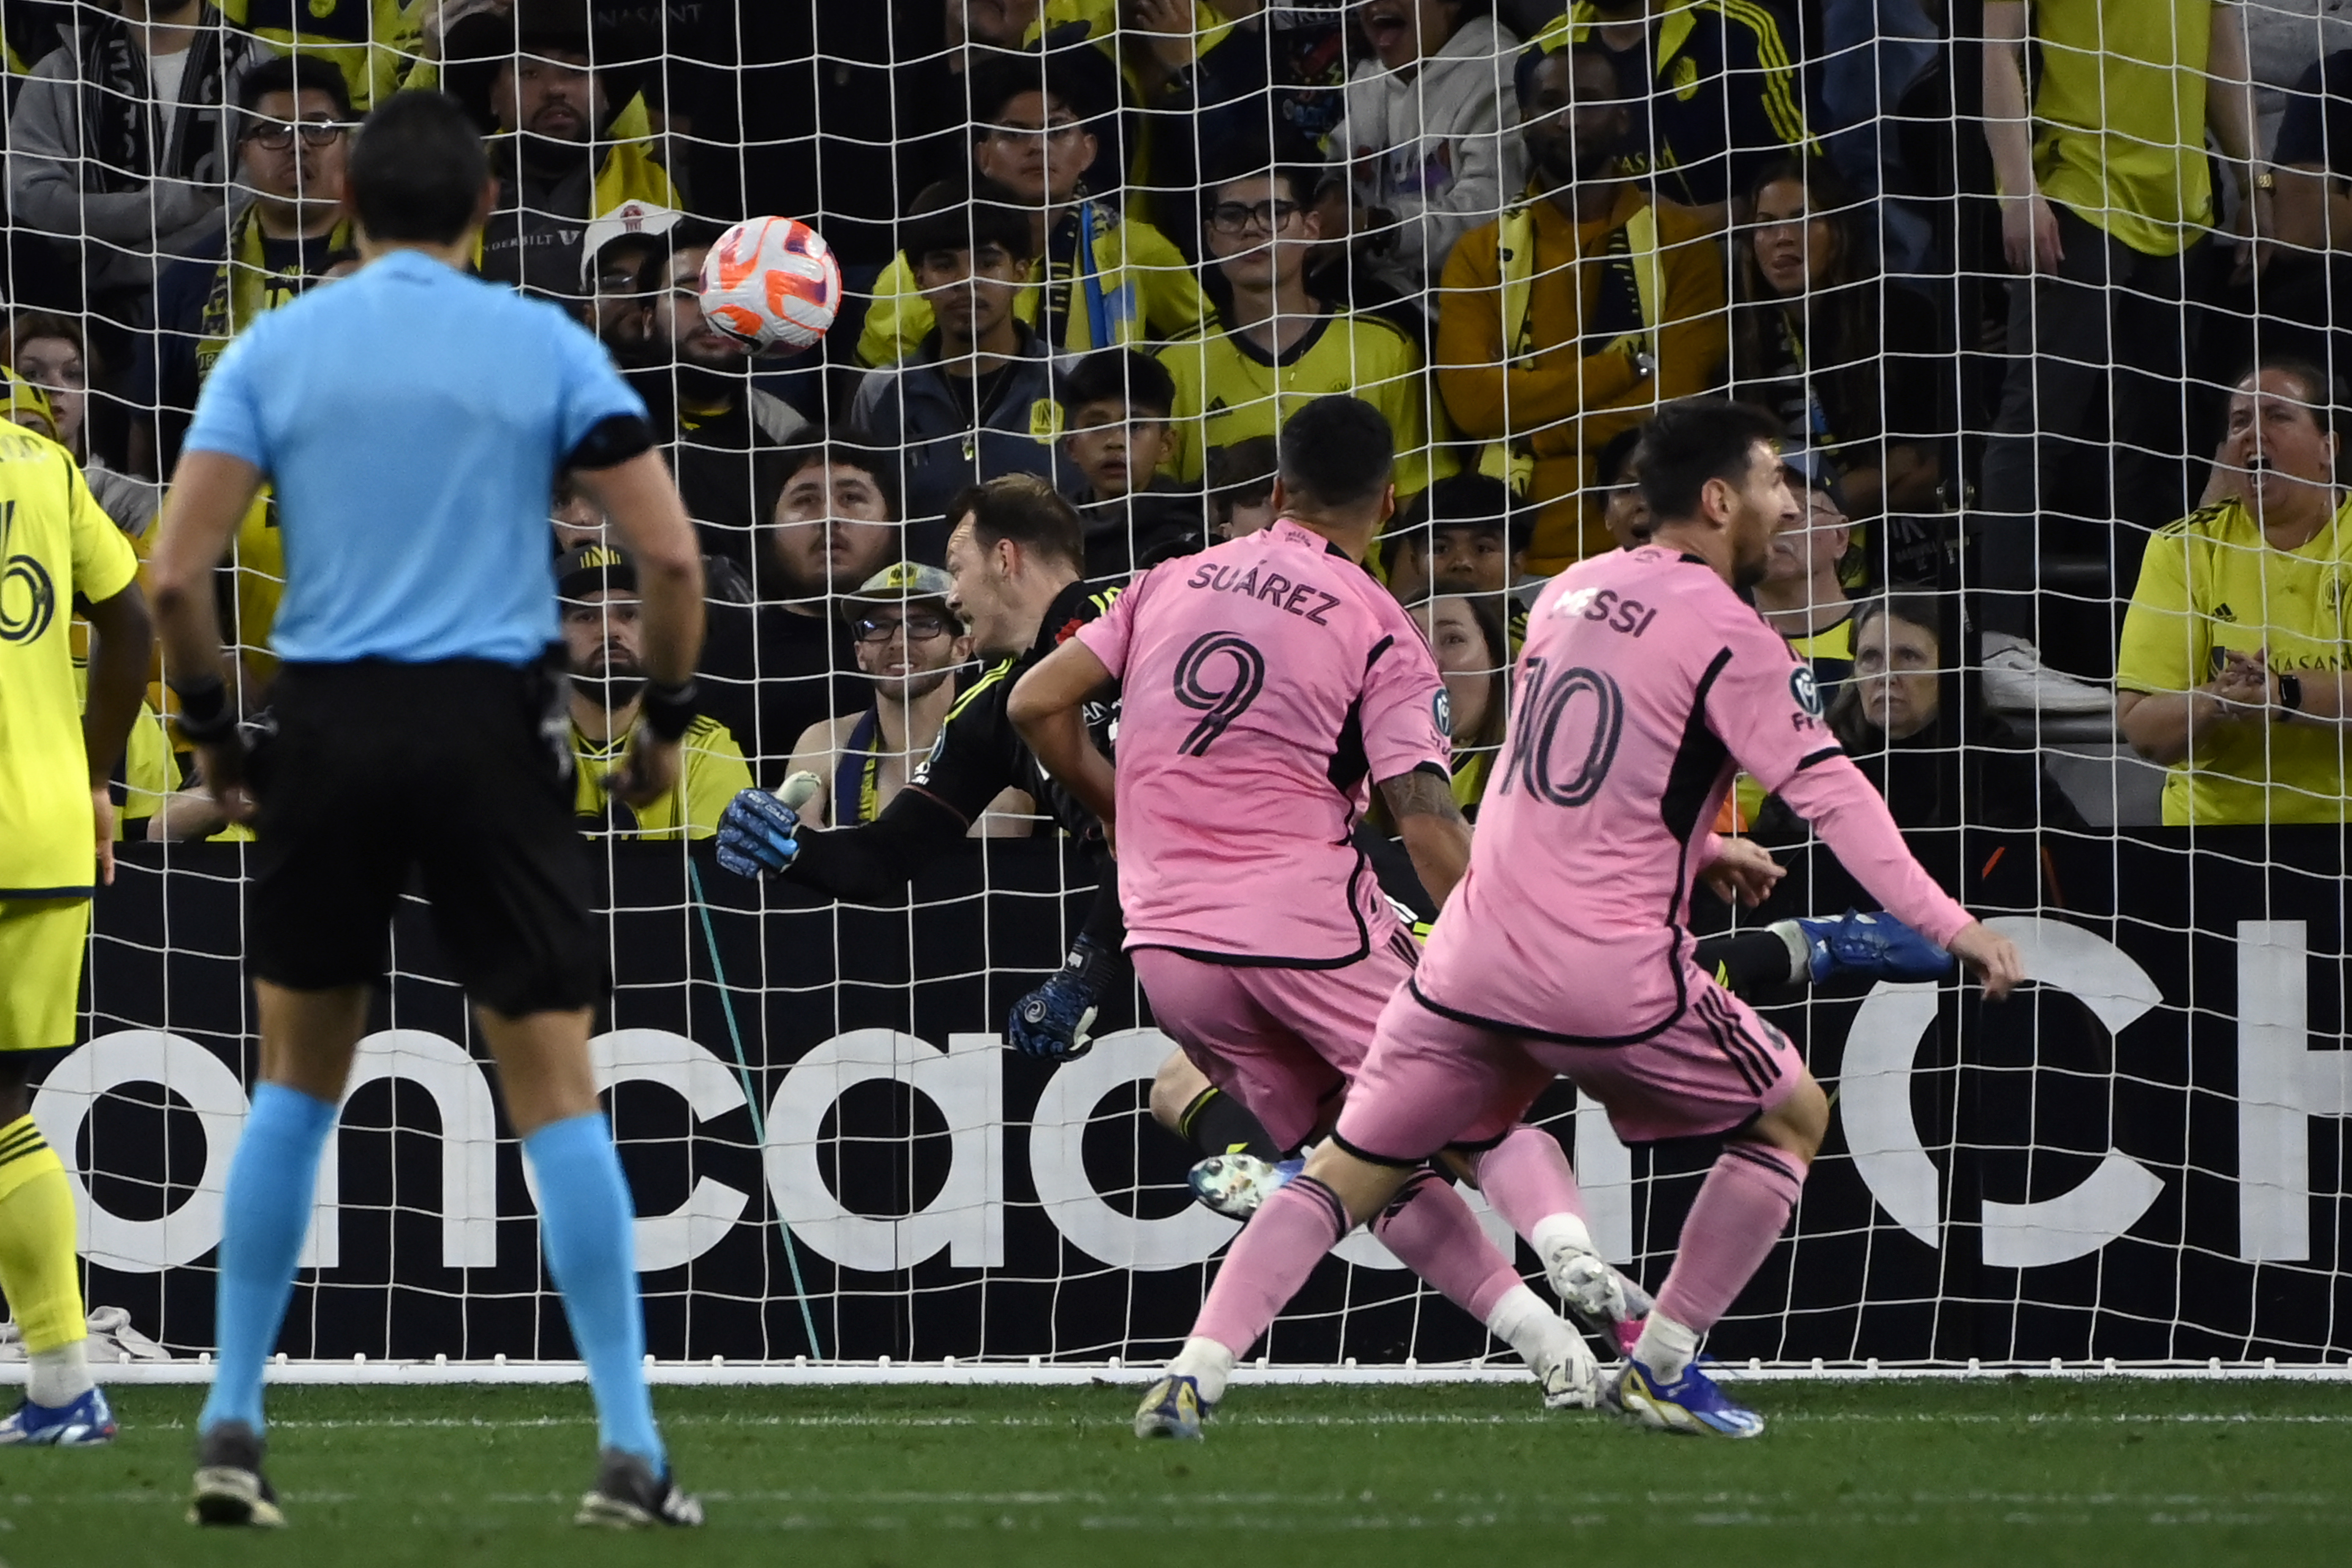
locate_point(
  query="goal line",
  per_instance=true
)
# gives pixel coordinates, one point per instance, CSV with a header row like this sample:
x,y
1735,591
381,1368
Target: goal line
x,y
720,1372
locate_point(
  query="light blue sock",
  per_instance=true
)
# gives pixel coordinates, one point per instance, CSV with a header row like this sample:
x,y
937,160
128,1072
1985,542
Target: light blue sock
x,y
586,1222
263,1216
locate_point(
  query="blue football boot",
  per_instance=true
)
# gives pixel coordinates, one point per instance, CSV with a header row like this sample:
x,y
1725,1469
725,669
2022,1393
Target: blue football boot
x,y
1173,1408
87,1423
1693,1405
1874,947
1237,1185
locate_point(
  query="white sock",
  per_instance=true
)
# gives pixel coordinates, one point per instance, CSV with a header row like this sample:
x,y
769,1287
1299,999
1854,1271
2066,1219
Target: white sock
x,y
57,1376
1526,1322
1207,1364
1665,1346
1560,1230
1800,951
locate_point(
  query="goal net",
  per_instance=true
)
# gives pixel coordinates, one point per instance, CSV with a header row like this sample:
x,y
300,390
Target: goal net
x,y
2044,297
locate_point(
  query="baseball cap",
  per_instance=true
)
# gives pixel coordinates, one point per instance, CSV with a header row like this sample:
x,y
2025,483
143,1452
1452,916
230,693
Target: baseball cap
x,y
591,567
1819,472
903,583
630,220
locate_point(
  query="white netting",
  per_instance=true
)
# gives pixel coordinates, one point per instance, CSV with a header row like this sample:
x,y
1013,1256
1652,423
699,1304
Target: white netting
x,y
1266,202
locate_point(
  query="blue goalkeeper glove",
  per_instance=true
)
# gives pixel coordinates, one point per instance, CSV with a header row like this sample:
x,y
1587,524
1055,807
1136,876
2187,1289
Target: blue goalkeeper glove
x,y
758,835
1051,1022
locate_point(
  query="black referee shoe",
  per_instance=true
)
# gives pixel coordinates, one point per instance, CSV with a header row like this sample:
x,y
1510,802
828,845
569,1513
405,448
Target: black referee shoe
x,y
230,1488
629,1496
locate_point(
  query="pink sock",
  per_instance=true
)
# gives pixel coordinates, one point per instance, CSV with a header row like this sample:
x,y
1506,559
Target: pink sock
x,y
1434,1233
1269,1261
1741,1210
1526,1178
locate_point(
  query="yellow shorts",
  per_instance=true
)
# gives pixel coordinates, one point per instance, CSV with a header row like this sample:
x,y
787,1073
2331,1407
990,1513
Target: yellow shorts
x,y
41,942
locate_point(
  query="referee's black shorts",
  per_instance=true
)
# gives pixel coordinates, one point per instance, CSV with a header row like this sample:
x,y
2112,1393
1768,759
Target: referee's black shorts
x,y
460,771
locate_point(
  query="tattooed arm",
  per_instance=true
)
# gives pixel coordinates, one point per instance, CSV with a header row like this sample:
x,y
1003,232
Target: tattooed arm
x,y
1435,833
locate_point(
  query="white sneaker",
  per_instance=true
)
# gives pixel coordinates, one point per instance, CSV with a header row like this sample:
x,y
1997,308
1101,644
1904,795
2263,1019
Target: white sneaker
x,y
1565,1372
1583,1280
2015,681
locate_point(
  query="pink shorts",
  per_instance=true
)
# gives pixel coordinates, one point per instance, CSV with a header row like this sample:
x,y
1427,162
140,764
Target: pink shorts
x,y
1284,1042
1433,1080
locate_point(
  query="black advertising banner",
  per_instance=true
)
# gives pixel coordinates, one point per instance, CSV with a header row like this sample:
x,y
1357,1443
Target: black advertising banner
x,y
833,1155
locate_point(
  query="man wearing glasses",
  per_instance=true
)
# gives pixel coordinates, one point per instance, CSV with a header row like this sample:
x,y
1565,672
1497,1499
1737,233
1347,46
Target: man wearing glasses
x,y
291,131
908,643
1275,347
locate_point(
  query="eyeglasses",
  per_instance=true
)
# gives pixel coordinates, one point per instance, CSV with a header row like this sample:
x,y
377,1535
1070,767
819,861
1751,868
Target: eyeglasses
x,y
919,627
1234,217
278,134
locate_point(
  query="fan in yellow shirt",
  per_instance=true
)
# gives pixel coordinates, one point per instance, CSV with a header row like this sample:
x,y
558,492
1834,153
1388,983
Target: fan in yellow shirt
x,y
56,831
2231,668
1102,276
1275,348
599,592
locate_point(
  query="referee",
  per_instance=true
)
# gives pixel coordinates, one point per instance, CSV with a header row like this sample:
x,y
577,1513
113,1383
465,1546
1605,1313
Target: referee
x,y
412,420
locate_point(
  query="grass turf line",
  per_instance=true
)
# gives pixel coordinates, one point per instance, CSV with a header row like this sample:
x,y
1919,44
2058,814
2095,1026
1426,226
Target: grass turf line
x,y
1851,1474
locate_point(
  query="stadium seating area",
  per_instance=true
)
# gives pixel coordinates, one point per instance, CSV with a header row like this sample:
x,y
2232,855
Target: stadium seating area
x,y
1997,273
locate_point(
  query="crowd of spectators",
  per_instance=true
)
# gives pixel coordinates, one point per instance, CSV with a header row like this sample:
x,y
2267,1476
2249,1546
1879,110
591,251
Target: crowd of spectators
x,y
1113,244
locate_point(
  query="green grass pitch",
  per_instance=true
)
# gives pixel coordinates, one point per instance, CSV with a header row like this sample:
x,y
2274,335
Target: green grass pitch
x,y
2023,1473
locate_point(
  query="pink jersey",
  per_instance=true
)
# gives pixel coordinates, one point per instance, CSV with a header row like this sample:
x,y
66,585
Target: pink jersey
x,y
1262,684
1645,684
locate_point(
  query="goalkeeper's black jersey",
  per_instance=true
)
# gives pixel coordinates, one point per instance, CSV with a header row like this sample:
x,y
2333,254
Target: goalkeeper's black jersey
x,y
979,754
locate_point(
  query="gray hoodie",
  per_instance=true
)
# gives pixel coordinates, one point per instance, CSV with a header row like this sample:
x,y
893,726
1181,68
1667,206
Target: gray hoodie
x,y
127,235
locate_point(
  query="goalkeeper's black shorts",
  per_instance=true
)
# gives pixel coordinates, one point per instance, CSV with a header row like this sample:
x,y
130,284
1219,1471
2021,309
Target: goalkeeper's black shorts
x,y
456,774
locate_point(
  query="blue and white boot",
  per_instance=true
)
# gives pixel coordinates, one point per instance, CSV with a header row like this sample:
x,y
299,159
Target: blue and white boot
x,y
1173,1408
1237,1185
87,1423
1692,1405
1873,947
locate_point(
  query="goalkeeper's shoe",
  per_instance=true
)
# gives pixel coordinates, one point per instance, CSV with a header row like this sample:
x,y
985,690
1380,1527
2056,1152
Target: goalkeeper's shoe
x,y
87,1423
1692,1405
628,1495
1053,1021
1873,947
230,1488
1237,1186
758,835
1173,1408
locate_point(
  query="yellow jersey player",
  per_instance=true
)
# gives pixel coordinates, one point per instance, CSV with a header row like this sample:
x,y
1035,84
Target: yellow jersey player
x,y
56,832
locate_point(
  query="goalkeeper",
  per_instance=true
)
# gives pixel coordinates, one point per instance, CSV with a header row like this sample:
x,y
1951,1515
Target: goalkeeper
x,y
1017,554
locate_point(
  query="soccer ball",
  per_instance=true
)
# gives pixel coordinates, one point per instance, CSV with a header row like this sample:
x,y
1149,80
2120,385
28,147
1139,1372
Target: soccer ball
x,y
771,281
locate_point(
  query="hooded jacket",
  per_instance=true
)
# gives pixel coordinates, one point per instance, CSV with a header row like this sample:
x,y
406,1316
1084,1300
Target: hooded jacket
x,y
1438,149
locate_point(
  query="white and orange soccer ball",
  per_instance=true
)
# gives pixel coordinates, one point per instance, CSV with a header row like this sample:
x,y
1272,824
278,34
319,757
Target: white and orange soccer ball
x,y
770,282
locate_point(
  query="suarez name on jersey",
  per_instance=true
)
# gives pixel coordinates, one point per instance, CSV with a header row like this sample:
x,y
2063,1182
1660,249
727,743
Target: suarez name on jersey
x,y
1266,683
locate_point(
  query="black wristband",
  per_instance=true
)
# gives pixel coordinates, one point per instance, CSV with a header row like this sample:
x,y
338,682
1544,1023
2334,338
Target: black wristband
x,y
205,718
610,442
670,708
2290,697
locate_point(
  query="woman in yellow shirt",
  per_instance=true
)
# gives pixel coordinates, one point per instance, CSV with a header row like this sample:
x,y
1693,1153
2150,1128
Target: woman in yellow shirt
x,y
2231,668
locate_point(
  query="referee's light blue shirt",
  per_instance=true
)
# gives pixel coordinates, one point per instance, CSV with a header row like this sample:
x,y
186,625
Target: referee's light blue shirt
x,y
412,419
